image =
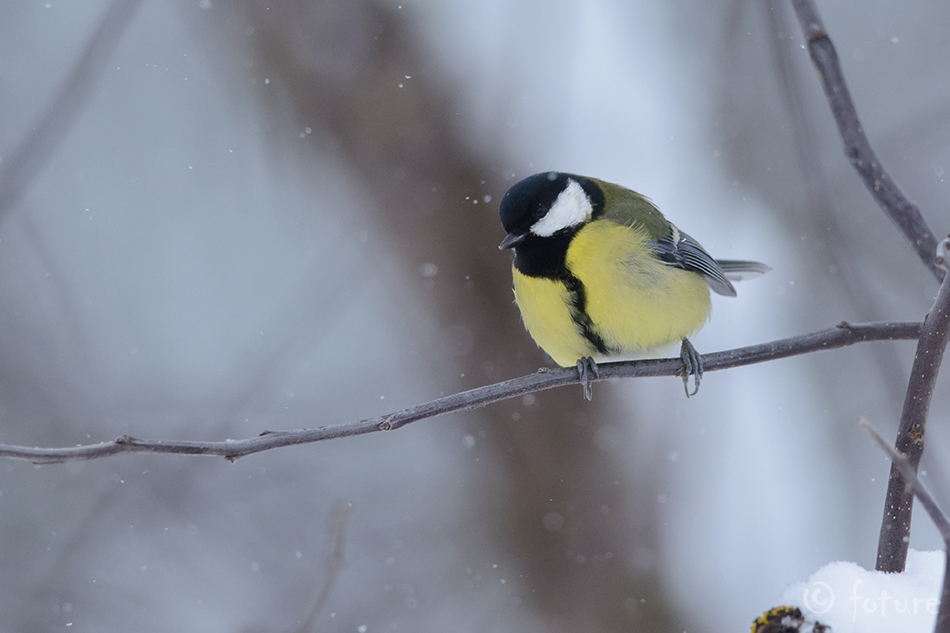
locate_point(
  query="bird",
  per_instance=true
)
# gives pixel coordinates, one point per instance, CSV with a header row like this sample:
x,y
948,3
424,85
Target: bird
x,y
788,620
600,273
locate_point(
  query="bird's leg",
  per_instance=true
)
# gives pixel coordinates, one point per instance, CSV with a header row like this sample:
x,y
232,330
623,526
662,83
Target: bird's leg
x,y
587,368
692,364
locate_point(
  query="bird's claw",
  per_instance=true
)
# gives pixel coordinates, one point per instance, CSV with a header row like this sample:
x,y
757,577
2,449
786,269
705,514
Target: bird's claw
x,y
692,364
586,369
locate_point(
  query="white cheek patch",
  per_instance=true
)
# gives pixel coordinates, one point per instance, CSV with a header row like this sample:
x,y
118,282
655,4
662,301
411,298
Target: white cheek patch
x,y
571,208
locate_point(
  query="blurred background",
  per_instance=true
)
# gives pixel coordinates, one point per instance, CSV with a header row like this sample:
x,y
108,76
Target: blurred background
x,y
238,216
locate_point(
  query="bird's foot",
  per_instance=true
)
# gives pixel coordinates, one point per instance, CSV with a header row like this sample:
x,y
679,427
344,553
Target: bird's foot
x,y
586,370
692,364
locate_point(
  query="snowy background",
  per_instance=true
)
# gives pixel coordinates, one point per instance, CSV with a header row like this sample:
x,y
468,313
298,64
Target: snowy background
x,y
284,216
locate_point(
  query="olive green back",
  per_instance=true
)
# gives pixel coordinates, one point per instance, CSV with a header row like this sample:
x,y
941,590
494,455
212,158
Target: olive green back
x,y
628,207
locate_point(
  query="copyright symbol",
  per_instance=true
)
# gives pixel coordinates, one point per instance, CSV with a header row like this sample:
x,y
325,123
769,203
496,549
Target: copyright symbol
x,y
819,598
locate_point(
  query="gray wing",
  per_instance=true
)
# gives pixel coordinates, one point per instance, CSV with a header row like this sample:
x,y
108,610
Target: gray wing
x,y
680,250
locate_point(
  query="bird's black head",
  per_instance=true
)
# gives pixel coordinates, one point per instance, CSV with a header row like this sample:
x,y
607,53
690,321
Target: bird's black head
x,y
542,212
527,201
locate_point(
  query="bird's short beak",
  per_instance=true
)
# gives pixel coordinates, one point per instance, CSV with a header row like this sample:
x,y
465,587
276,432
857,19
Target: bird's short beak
x,y
512,240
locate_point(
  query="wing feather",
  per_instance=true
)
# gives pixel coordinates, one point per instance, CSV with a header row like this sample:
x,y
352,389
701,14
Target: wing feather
x,y
680,250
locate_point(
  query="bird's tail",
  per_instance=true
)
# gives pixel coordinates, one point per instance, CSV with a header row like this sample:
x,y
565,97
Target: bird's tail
x,y
740,270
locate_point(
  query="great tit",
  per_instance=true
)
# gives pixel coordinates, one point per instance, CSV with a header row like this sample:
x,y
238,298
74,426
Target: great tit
x,y
788,620
599,272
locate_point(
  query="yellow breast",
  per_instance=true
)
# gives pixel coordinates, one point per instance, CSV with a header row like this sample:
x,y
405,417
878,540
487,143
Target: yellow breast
x,y
546,310
634,302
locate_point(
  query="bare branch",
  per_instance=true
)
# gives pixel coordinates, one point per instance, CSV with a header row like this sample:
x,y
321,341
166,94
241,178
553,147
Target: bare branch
x,y
936,515
898,504
895,528
24,162
857,148
840,336
914,484
854,284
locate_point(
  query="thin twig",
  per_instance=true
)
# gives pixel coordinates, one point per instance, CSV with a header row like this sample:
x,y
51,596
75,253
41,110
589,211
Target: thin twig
x,y
898,504
900,461
21,164
857,148
332,568
855,284
840,336
914,485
